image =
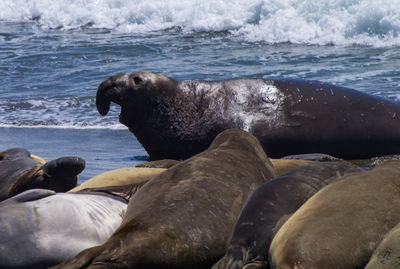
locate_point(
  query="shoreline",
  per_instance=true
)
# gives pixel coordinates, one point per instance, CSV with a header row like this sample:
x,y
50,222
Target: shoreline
x,y
102,149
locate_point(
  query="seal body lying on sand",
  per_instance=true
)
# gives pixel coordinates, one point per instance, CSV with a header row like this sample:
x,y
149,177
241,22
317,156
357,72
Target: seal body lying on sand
x,y
20,172
120,177
183,218
177,119
269,205
342,224
41,228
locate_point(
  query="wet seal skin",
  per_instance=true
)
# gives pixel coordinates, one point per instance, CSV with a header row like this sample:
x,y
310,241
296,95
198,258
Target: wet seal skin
x,y
183,218
177,119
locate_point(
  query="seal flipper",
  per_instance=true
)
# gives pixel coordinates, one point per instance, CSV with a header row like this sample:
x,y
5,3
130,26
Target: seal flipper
x,y
29,195
83,260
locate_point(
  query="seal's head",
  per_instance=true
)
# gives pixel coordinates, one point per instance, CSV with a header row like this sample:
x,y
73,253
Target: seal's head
x,y
133,92
159,111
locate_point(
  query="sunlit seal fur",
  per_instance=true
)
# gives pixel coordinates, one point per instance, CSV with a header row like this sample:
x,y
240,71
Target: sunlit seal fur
x,y
342,224
283,166
20,172
269,205
119,177
177,119
183,218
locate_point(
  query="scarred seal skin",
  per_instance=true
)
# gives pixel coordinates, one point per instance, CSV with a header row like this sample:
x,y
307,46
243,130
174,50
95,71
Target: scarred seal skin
x,y
342,224
177,119
20,171
183,218
269,205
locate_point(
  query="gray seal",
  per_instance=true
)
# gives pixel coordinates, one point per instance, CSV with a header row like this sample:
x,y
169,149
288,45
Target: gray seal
x,y
177,119
40,228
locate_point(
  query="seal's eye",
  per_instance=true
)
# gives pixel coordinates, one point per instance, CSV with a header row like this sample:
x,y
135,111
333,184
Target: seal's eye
x,y
137,80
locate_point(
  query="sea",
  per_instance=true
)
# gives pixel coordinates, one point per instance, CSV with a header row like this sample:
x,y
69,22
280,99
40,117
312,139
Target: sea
x,y
55,53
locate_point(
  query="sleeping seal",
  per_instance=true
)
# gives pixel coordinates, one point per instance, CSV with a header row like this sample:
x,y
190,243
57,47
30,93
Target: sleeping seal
x,y
20,172
269,205
342,224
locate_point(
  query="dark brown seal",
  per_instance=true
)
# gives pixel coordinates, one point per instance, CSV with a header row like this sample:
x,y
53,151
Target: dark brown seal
x,y
183,217
342,224
177,119
20,172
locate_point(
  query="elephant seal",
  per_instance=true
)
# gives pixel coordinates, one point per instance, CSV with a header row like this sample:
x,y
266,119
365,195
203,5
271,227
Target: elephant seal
x,y
283,166
320,157
119,177
20,172
40,228
342,224
269,204
387,254
183,217
177,119
166,163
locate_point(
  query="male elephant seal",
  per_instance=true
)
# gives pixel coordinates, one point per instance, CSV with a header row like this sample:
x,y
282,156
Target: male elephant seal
x,y
268,205
177,119
20,172
41,228
342,224
183,217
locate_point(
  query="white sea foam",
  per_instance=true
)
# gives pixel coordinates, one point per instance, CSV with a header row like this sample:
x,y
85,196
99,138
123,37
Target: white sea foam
x,y
342,22
62,113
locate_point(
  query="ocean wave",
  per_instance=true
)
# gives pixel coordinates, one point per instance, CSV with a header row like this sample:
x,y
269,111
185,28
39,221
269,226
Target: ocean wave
x,y
66,113
325,22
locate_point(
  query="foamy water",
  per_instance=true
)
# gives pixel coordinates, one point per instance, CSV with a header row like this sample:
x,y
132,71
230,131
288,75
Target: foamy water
x,y
54,54
369,22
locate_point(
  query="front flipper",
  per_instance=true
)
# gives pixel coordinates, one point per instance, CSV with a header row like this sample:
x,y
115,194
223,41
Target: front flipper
x,y
29,195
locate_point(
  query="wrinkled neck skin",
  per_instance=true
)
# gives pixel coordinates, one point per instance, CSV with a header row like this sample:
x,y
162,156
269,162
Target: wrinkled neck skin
x,y
174,115
186,116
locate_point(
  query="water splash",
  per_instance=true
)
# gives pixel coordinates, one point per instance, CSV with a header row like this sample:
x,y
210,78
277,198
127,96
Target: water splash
x,y
325,22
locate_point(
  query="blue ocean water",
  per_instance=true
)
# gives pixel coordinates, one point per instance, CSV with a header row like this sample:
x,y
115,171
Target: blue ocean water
x,y
54,54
